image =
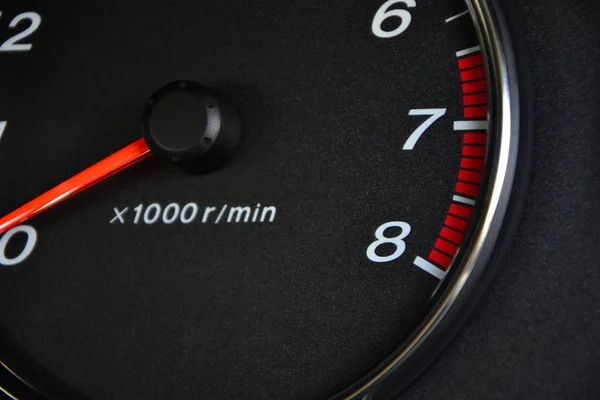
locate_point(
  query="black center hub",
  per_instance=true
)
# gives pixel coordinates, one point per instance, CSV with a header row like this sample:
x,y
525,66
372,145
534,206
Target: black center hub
x,y
185,122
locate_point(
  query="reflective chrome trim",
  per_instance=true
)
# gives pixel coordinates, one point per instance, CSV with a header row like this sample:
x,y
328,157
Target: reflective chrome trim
x,y
5,392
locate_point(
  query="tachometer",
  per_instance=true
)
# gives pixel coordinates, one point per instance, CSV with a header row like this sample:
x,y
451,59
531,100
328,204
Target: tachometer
x,y
263,200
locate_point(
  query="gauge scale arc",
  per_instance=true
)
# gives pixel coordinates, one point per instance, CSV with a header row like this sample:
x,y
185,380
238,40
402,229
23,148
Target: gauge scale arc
x,y
280,200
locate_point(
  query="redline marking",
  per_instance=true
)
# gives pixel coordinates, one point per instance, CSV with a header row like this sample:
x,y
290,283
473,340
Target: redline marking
x,y
466,189
469,176
457,223
460,211
475,86
446,247
472,163
451,235
475,99
452,18
473,151
474,138
477,125
471,61
470,50
476,112
472,74
429,268
220,216
440,258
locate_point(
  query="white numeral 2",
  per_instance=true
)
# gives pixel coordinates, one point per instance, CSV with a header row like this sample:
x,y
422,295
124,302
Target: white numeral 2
x,y
12,44
436,113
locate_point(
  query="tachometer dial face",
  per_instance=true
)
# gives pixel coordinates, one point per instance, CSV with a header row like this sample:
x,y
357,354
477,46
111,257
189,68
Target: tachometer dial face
x,y
299,198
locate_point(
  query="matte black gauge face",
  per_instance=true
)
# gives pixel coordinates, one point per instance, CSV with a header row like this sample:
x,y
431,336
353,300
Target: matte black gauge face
x,y
297,199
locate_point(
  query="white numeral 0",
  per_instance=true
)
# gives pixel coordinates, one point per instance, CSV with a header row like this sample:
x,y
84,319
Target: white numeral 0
x,y
384,13
395,240
29,245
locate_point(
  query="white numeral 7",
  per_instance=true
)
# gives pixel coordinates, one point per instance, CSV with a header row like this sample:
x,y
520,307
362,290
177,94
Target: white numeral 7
x,y
435,114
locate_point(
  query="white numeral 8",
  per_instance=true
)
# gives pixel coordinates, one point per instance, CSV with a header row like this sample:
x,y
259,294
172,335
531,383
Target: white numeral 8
x,y
395,240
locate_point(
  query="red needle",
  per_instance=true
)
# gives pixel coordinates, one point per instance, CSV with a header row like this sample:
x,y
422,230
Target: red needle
x,y
87,178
